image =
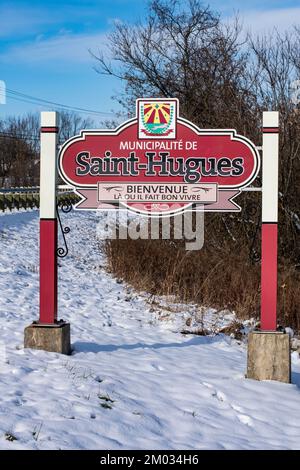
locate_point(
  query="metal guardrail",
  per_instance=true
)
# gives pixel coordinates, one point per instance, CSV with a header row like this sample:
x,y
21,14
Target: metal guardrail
x,y
29,198
19,190
33,189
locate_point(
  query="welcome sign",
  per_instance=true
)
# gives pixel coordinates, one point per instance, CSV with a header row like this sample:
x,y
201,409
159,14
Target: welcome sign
x,y
159,163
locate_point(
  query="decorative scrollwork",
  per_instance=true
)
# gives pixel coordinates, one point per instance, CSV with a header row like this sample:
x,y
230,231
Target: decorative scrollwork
x,y
66,207
63,251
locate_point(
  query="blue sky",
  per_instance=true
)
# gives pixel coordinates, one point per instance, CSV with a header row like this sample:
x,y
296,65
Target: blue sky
x,y
44,45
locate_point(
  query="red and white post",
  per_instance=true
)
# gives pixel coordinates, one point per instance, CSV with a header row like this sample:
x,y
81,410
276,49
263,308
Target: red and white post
x,y
269,221
48,218
48,333
268,349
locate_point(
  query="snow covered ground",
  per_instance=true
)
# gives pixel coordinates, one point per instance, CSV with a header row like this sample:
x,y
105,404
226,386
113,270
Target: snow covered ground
x,y
133,381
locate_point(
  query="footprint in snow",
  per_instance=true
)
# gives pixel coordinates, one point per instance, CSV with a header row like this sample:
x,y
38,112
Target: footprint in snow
x,y
157,367
237,408
245,419
215,393
207,385
219,395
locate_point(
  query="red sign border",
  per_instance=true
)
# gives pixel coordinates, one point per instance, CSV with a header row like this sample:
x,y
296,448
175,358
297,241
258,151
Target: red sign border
x,y
111,132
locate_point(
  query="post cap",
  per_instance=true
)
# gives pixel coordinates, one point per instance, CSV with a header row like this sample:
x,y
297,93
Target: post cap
x,y
49,119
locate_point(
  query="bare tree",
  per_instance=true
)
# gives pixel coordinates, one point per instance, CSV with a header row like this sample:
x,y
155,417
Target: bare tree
x,y
184,50
20,145
276,65
71,123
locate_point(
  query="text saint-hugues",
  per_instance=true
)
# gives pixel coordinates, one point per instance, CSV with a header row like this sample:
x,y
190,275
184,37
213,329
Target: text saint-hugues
x,y
158,164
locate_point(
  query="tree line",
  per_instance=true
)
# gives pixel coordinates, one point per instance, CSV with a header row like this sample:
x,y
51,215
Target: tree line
x,y
224,77
20,146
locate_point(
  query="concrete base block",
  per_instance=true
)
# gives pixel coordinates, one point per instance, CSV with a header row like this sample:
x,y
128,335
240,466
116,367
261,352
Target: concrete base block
x,y
53,338
269,356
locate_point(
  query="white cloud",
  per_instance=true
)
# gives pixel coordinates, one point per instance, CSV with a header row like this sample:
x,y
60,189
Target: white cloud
x,y
19,20
73,48
258,21
65,48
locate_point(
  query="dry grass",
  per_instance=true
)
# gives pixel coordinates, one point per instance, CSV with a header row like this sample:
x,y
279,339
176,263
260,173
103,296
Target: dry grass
x,y
219,277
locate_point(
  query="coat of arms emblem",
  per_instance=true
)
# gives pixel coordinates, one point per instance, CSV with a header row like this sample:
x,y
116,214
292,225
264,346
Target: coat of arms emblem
x,y
157,118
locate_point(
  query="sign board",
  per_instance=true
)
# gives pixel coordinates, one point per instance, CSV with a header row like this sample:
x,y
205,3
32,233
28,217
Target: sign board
x,y
159,163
